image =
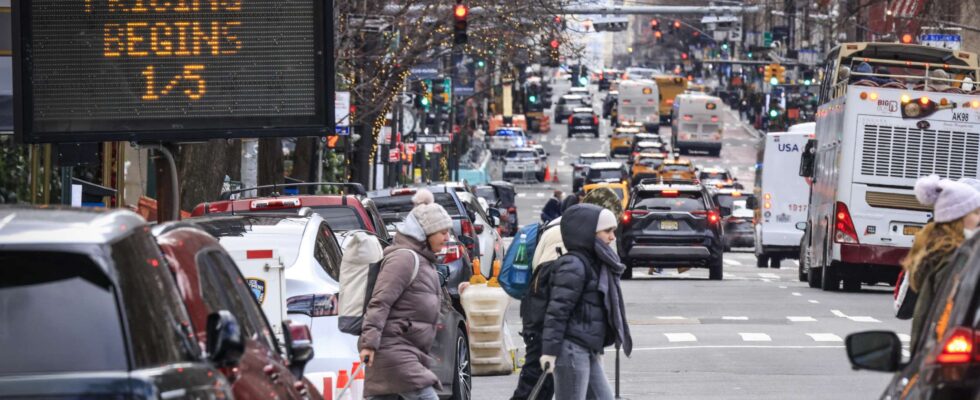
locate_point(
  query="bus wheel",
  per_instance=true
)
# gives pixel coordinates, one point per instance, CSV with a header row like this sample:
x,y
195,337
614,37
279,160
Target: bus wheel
x,y
831,279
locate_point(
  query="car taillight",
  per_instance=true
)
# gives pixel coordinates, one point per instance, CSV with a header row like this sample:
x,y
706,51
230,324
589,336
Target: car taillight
x,y
512,210
313,305
453,252
274,204
713,217
958,347
595,120
467,229
402,192
630,214
845,231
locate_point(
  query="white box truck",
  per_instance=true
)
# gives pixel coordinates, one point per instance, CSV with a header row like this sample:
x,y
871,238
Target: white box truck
x,y
784,198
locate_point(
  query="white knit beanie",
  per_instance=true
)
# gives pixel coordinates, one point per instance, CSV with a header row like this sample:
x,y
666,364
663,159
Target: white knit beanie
x,y
951,200
431,216
607,220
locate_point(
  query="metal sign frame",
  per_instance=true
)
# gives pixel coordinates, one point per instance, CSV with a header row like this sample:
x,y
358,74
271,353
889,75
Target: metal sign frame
x,y
173,129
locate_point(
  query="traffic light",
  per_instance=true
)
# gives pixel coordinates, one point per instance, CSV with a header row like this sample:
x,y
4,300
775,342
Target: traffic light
x,y
676,26
658,36
655,24
807,77
460,12
554,44
481,63
768,73
439,96
684,56
907,38
781,73
724,45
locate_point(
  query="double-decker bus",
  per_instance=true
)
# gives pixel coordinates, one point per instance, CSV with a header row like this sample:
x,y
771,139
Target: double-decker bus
x,y
889,114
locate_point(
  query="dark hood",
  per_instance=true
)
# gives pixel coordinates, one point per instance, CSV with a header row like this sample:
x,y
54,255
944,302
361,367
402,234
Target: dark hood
x,y
578,228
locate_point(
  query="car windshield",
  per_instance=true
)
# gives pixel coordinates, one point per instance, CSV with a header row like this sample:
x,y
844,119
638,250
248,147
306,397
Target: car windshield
x,y
285,235
402,204
605,174
488,193
676,167
341,218
59,314
681,202
714,176
521,154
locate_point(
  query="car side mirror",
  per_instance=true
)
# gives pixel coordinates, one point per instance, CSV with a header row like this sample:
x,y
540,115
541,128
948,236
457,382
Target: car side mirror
x,y
874,351
801,226
299,345
478,228
443,271
494,215
225,341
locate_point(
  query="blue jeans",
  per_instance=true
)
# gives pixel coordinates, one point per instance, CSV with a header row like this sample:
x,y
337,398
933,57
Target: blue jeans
x,y
422,394
579,375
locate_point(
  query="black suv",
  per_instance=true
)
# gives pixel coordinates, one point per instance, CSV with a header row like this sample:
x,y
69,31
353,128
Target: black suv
x,y
583,120
672,226
91,310
944,360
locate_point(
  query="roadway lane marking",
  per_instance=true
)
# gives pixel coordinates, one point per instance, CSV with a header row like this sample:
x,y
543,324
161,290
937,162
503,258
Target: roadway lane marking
x,y
797,294
744,346
825,337
732,262
801,319
539,194
672,317
904,337
863,319
782,287
734,318
814,301
727,275
522,194
754,337
768,275
838,313
766,280
680,337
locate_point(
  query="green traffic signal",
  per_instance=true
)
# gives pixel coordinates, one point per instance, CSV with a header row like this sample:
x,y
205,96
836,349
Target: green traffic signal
x,y
773,113
807,82
425,101
480,64
724,46
532,98
774,81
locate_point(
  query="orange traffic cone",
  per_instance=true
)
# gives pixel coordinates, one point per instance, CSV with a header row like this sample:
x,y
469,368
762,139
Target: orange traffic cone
x,y
554,177
547,173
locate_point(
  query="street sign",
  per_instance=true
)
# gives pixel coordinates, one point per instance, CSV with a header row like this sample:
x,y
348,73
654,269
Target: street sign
x,y
394,155
433,139
342,130
425,71
952,42
767,39
99,70
411,148
341,108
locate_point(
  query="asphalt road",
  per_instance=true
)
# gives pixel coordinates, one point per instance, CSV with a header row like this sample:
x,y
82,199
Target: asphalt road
x,y
757,334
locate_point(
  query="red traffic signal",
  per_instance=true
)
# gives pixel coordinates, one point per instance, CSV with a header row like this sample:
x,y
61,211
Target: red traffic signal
x,y
658,35
554,43
461,11
683,56
558,19
654,24
677,24
907,38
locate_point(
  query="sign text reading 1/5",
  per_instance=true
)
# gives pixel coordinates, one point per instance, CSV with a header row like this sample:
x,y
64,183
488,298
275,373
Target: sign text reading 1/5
x,y
172,37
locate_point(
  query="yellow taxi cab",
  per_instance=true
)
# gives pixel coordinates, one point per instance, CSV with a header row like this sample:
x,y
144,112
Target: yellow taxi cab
x,y
677,169
620,188
622,140
645,166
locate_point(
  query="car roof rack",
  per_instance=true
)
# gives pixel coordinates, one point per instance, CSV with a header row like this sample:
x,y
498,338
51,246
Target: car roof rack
x,y
353,187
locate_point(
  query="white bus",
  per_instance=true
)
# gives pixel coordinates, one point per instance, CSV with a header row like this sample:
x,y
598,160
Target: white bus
x,y
639,101
697,123
890,114
784,196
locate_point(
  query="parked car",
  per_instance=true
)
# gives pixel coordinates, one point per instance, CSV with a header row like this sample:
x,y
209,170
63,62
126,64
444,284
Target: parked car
x,y
484,224
566,106
522,164
583,120
292,264
672,226
92,311
502,196
943,362
581,167
211,283
349,211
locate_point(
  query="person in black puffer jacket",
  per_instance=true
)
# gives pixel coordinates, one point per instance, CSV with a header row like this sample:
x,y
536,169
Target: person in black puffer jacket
x,y
586,311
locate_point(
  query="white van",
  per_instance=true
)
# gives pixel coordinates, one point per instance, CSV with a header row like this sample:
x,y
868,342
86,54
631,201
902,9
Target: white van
x,y
697,123
784,198
639,101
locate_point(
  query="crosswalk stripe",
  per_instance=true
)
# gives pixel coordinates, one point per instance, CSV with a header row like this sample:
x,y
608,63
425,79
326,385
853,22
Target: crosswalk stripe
x,y
539,194
863,319
680,337
522,194
825,337
755,337
671,317
731,262
814,301
838,313
768,275
734,318
801,319
797,294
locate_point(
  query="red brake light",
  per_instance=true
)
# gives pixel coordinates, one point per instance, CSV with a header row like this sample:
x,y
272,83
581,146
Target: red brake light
x,y
629,214
669,193
845,231
274,204
712,216
958,348
313,305
467,228
402,192
258,254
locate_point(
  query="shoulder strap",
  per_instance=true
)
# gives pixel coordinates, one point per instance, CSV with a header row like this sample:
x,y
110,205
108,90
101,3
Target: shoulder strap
x,y
415,271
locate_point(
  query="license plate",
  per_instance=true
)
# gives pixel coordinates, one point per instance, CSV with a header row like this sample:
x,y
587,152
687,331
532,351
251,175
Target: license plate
x,y
668,225
911,230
